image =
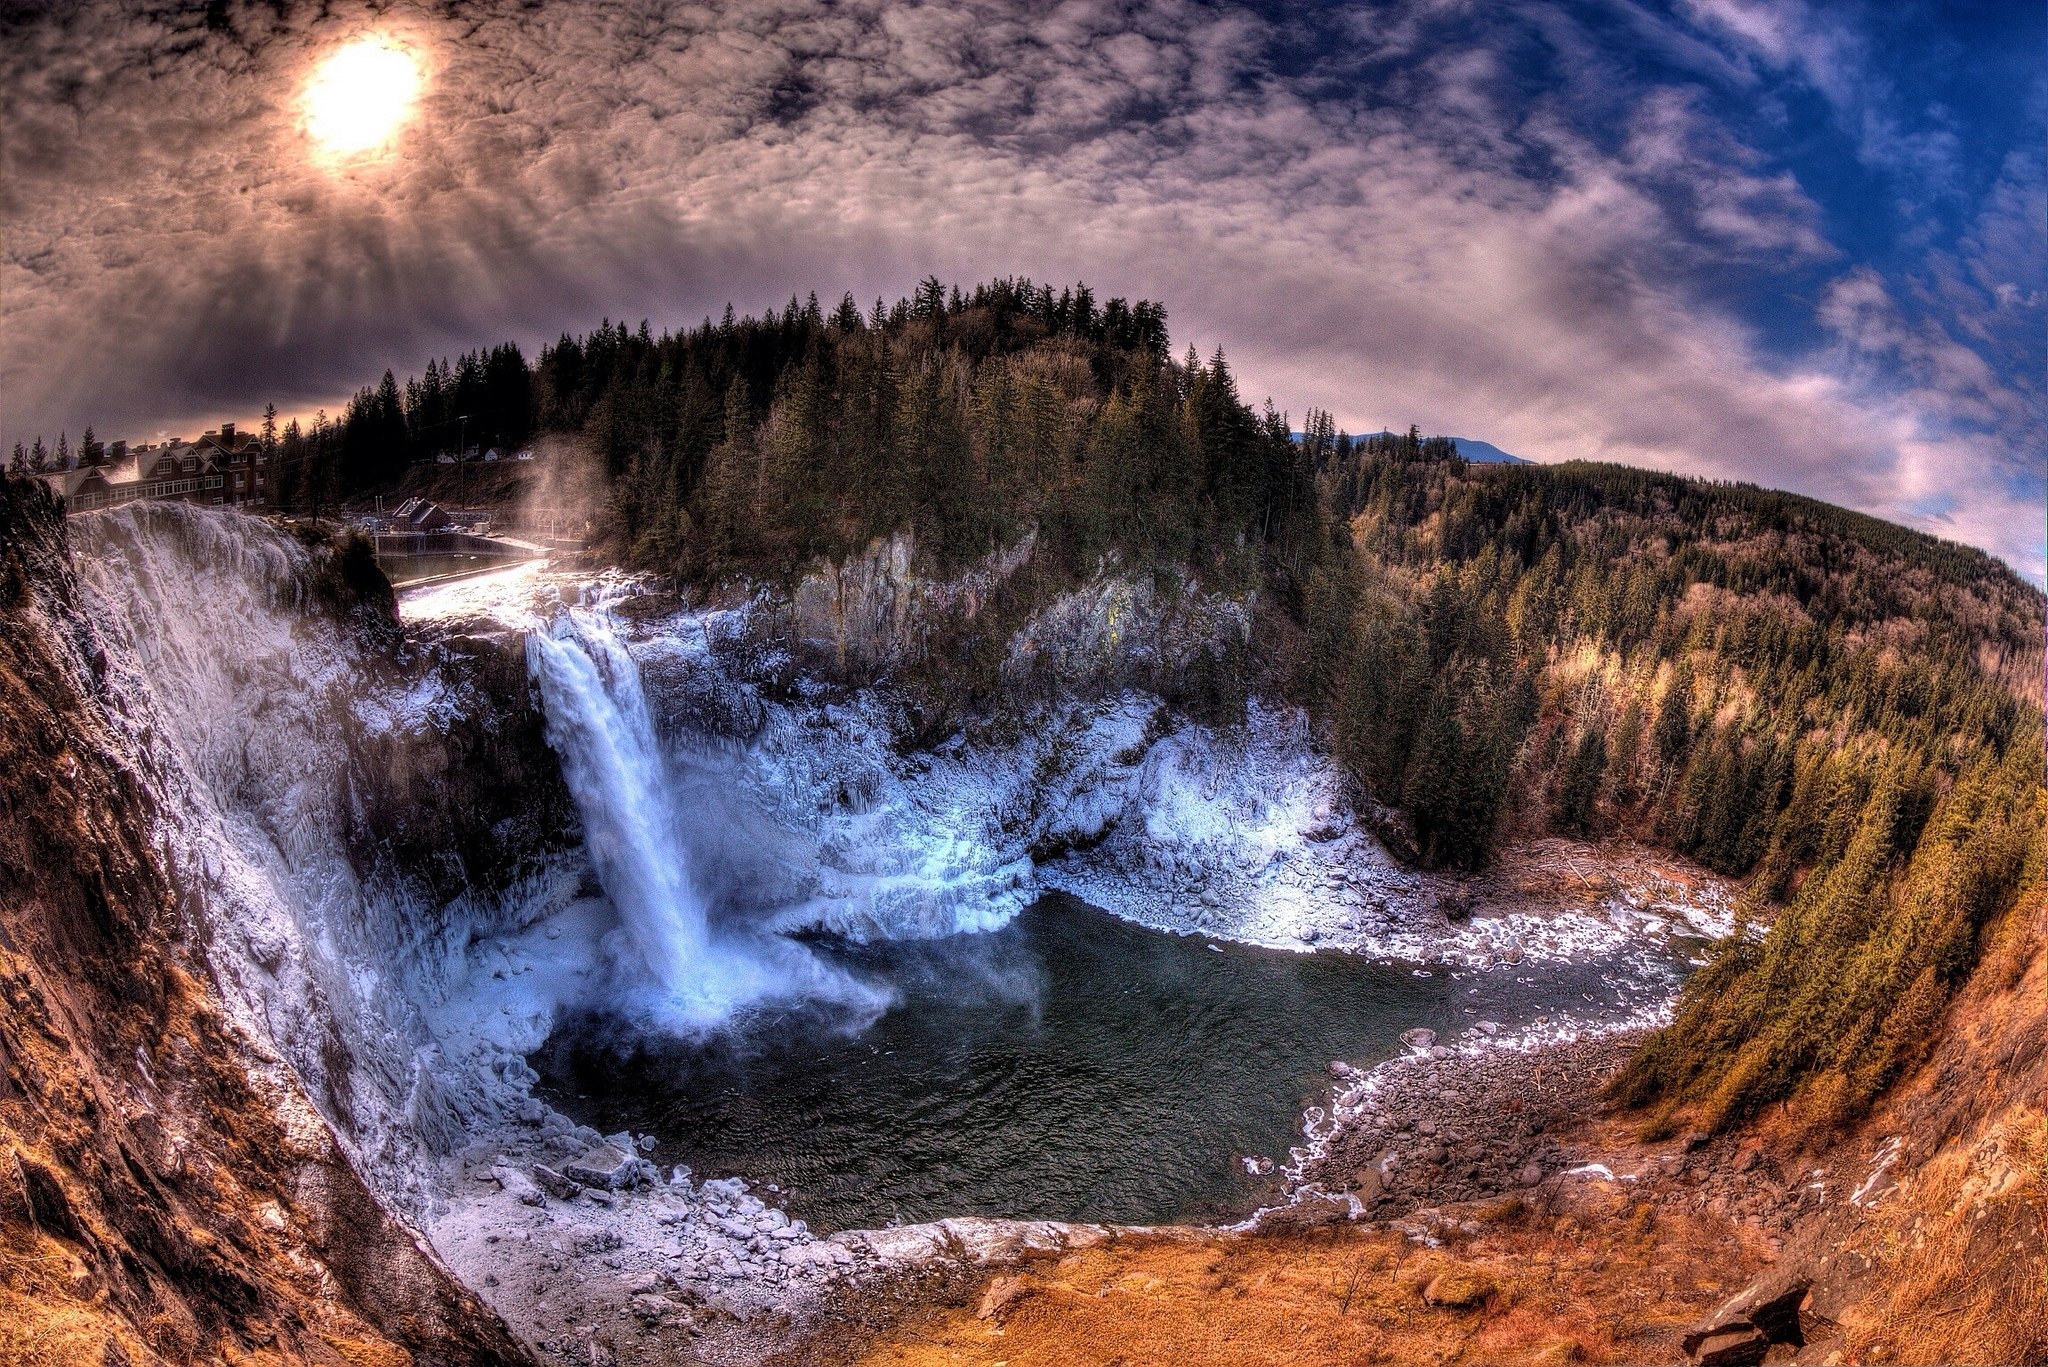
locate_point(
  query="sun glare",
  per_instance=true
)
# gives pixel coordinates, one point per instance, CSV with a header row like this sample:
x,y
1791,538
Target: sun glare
x,y
359,97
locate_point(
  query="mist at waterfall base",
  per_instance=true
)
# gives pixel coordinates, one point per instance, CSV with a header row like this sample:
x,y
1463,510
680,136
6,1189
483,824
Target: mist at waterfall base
x,y
674,967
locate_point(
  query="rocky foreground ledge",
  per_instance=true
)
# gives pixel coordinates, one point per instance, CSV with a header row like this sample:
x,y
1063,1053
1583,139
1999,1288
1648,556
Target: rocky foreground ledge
x,y
600,1259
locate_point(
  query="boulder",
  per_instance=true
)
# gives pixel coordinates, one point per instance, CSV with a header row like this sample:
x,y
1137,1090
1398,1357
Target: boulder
x,y
1002,1293
1769,1308
653,1308
518,1185
1458,1288
1420,1038
554,1184
606,1165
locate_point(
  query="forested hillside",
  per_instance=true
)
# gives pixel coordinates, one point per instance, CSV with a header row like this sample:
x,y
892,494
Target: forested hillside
x,y
755,444
1845,711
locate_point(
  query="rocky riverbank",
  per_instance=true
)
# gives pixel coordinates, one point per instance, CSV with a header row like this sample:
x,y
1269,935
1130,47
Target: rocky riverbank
x,y
1524,1116
596,1257
1445,1125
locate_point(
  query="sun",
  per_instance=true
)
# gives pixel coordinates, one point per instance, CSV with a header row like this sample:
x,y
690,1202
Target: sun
x,y
360,97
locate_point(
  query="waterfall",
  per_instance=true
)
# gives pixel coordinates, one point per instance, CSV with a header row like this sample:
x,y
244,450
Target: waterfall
x,y
675,966
599,724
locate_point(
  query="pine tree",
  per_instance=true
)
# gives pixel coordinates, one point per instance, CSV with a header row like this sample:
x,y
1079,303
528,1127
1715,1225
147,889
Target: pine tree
x,y
1673,730
1431,790
1579,791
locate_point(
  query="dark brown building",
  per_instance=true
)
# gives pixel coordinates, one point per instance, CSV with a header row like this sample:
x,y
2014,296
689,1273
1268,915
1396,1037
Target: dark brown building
x,y
221,468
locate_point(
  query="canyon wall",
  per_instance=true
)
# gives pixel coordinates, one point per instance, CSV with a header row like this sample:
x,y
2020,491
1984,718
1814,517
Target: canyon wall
x,y
175,1192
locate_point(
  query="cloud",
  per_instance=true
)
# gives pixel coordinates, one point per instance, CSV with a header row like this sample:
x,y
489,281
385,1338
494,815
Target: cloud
x,y
1409,213
1838,62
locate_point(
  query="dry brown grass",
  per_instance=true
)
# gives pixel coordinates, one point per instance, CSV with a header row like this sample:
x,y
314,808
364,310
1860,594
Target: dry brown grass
x,y
1527,1289
1962,1257
1960,1251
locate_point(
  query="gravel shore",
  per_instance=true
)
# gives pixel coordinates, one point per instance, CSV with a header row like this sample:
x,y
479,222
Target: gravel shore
x,y
1442,1126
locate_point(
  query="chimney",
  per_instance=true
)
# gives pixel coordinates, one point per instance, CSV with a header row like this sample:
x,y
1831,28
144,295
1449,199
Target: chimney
x,y
227,434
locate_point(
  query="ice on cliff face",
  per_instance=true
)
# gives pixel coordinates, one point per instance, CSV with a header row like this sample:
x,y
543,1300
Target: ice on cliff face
x,y
238,709
813,818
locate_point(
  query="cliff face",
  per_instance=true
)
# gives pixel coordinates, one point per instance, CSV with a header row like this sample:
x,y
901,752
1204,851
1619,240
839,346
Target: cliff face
x,y
1009,629
174,1193
344,810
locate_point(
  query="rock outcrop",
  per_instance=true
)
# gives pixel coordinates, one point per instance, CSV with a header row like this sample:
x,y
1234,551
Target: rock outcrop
x,y
1742,1329
172,1193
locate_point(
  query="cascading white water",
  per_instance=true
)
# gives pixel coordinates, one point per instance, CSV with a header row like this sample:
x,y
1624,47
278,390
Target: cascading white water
x,y
676,967
599,725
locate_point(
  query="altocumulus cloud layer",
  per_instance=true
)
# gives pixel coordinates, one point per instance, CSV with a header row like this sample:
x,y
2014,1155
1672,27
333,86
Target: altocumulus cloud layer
x,y
1802,247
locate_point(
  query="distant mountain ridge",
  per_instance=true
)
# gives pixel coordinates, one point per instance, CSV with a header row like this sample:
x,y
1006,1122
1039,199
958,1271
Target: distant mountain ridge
x,y
1477,451
1485,452
1471,448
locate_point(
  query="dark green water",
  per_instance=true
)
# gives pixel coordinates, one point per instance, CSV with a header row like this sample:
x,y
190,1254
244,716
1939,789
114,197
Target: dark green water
x,y
1070,1066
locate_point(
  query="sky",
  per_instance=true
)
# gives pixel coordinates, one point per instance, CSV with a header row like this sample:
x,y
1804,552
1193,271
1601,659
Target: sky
x,y
1801,245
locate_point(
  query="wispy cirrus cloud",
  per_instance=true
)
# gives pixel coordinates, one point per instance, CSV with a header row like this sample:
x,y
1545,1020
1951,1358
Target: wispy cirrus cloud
x,y
1503,224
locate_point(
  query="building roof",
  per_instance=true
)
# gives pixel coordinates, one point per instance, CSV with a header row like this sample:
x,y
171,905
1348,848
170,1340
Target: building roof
x,y
66,482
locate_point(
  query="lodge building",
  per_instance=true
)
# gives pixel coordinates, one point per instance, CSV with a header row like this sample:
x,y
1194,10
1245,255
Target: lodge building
x,y
221,468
